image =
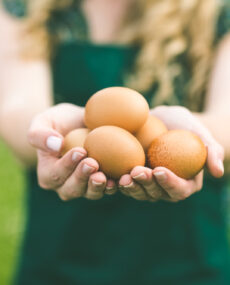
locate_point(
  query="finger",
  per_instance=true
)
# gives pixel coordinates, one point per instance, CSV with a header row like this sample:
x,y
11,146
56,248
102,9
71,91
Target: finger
x,y
96,186
215,159
215,152
41,135
53,172
110,188
131,188
198,181
144,177
176,187
76,185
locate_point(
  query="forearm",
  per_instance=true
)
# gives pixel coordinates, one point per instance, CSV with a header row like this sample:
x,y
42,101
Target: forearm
x,y
25,91
14,125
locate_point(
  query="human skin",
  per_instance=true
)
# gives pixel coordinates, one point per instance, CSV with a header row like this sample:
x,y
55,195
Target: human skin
x,y
25,104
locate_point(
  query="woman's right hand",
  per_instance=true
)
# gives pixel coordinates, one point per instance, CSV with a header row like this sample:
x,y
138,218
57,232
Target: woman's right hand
x,y
74,175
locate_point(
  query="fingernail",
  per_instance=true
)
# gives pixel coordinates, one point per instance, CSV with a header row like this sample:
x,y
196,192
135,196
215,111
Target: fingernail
x,y
109,188
221,165
129,185
142,175
87,169
54,143
96,183
160,175
77,156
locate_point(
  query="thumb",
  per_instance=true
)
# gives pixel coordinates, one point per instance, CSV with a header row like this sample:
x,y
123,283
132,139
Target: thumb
x,y
215,159
43,137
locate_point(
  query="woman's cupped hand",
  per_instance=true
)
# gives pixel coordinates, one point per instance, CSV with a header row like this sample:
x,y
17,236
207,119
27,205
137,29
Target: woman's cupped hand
x,y
162,184
73,175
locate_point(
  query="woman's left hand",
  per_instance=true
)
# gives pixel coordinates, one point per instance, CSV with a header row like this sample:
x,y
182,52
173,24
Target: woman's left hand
x,y
162,184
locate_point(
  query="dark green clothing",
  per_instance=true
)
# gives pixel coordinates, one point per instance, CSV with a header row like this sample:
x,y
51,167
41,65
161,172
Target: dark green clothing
x,y
118,240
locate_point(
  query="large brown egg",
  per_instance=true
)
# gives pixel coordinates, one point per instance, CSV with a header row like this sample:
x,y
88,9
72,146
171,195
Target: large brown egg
x,y
180,151
75,138
116,150
152,128
116,106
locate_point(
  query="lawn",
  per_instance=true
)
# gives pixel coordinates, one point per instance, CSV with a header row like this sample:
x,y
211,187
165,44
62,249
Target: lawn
x,y
11,213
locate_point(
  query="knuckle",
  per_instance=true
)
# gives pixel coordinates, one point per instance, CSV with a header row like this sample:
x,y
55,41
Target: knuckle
x,y
49,182
43,185
55,178
64,198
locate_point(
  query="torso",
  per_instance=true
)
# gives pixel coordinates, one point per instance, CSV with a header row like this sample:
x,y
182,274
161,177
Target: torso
x,y
118,240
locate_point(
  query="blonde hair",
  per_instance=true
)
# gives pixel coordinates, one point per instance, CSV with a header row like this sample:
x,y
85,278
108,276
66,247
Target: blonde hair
x,y
164,29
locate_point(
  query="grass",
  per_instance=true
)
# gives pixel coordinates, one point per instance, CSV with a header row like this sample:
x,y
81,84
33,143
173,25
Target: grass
x,y
11,213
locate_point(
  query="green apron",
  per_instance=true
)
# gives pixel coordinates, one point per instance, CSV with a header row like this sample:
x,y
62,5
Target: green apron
x,y
118,240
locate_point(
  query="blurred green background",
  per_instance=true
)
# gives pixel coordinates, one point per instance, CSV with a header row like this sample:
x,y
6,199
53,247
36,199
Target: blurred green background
x,y
12,212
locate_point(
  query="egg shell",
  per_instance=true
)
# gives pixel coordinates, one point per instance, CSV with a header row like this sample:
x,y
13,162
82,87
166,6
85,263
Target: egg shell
x,y
152,128
116,106
75,138
116,150
180,151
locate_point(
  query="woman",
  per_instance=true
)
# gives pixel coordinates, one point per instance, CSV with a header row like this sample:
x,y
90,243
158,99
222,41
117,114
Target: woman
x,y
164,49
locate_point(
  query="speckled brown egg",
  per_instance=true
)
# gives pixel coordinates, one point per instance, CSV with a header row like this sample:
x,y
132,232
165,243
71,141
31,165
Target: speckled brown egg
x,y
152,128
180,151
75,138
116,150
116,106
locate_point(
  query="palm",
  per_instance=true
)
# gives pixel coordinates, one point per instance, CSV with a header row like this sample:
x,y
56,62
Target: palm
x,y
65,117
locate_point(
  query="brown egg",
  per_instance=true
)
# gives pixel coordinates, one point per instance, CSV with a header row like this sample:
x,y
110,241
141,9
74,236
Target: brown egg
x,y
116,106
152,128
75,138
116,150
180,151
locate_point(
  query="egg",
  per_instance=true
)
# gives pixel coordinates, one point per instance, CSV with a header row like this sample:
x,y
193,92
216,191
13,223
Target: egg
x,y
116,106
116,150
75,138
180,151
152,128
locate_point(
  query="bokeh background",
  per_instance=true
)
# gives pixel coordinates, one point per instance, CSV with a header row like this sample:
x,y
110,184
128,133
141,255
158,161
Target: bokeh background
x,y
12,212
